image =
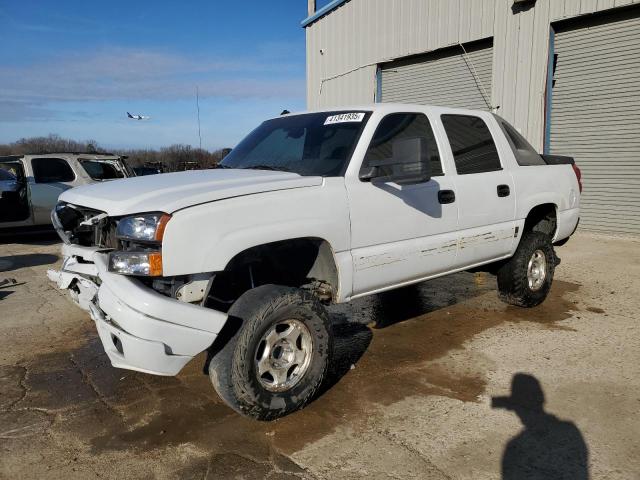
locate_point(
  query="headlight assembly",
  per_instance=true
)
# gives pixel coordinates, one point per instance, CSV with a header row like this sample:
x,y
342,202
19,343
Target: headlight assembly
x,y
147,264
147,227
142,235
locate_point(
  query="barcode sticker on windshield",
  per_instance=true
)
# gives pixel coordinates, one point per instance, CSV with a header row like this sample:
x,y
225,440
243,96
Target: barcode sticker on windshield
x,y
344,117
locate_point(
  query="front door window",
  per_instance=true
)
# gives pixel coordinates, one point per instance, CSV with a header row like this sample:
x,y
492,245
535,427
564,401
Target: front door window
x,y
14,198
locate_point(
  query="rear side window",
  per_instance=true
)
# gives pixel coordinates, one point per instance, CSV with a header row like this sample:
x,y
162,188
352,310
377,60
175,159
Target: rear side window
x,y
403,126
101,170
518,140
52,170
525,154
474,150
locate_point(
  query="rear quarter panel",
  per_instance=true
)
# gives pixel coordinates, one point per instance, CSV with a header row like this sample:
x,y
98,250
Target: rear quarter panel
x,y
540,184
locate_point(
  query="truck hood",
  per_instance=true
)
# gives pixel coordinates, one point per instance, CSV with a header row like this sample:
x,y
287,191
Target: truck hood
x,y
170,192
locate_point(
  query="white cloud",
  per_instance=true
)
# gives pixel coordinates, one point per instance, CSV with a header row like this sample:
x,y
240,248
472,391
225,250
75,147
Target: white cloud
x,y
11,110
128,74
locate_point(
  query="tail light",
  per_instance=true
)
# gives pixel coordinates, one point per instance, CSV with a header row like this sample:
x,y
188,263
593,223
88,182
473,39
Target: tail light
x,y
578,173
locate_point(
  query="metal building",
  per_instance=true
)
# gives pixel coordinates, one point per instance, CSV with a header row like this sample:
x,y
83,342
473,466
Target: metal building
x,y
566,73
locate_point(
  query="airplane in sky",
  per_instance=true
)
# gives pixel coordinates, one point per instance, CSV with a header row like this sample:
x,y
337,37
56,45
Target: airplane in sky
x,y
138,117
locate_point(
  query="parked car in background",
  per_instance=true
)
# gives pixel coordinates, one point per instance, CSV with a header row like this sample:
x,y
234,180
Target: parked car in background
x,y
31,184
11,194
309,209
142,171
8,182
189,165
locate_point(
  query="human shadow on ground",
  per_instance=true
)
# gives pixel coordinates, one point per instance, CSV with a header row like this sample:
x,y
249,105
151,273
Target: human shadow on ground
x,y
547,447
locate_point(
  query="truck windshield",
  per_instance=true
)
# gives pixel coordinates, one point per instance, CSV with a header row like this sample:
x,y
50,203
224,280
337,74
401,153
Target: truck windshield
x,y
308,144
4,175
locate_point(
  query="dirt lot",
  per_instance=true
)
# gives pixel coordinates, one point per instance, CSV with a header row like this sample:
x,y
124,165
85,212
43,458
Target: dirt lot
x,y
409,395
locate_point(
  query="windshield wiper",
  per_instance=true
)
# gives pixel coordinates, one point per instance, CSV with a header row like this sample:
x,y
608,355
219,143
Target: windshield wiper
x,y
267,167
222,166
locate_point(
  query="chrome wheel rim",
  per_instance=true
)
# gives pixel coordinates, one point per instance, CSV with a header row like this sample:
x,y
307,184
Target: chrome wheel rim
x,y
537,270
283,355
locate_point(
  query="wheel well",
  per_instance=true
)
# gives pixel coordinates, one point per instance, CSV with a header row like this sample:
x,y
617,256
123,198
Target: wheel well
x,y
301,262
542,218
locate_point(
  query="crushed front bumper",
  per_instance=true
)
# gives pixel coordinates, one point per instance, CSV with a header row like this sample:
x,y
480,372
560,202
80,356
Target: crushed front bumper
x,y
139,328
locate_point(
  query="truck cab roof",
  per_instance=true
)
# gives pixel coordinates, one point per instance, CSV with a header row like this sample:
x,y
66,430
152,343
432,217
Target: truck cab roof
x,y
394,108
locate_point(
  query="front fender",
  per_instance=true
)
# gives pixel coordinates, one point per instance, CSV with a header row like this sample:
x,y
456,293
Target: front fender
x,y
204,238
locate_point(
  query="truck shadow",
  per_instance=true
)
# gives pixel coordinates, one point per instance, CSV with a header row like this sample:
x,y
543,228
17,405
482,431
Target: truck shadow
x,y
353,325
16,262
350,342
5,293
13,263
382,355
394,306
410,328
44,236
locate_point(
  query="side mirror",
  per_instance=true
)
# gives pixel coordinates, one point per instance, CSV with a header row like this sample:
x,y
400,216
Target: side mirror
x,y
409,164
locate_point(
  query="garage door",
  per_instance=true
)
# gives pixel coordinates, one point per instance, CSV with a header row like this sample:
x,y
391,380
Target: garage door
x,y
448,78
595,115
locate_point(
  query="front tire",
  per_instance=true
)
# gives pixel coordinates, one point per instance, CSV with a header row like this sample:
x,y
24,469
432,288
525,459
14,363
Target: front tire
x,y
277,359
525,280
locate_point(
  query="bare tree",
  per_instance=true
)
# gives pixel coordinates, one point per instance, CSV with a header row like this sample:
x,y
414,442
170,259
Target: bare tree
x,y
51,143
173,158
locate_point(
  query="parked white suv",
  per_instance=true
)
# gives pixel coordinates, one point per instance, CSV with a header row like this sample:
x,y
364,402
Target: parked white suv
x,y
31,184
308,209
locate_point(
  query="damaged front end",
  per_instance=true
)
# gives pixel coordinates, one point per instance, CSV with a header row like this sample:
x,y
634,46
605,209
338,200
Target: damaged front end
x,y
83,226
143,325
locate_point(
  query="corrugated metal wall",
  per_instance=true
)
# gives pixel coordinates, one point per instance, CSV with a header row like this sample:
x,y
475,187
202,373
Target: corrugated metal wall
x,y
596,115
447,78
521,52
358,35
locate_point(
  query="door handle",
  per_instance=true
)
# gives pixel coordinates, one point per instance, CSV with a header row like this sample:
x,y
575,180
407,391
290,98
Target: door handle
x,y
446,196
504,190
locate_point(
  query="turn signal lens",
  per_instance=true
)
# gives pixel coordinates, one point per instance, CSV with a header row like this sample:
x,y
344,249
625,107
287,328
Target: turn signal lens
x,y
162,224
155,264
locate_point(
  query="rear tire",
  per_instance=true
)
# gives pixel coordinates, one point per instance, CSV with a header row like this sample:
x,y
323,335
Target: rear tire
x,y
277,359
525,280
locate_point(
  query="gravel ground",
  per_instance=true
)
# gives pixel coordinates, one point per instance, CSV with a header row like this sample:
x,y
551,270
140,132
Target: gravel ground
x,y
436,381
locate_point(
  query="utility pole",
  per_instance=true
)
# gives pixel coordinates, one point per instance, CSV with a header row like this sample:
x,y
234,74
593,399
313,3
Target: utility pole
x,y
198,108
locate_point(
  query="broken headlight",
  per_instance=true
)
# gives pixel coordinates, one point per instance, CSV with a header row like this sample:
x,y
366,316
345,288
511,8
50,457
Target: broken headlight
x,y
148,227
141,236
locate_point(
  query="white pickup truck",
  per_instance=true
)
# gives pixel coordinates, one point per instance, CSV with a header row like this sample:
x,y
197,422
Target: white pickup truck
x,y
31,184
308,209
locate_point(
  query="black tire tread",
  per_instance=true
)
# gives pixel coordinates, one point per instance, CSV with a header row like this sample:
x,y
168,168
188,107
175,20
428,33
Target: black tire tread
x,y
512,276
228,369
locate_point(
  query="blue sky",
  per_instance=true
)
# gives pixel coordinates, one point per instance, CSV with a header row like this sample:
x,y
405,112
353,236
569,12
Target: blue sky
x,y
74,68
